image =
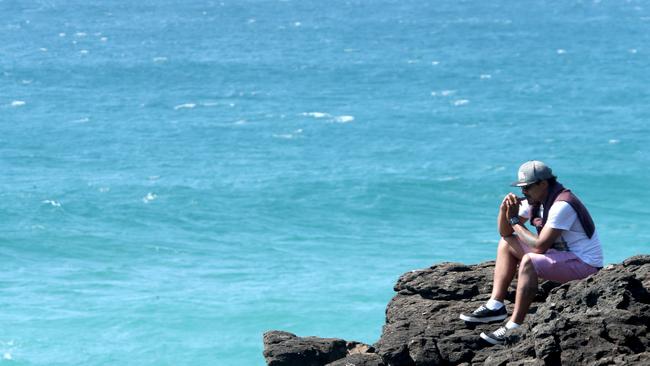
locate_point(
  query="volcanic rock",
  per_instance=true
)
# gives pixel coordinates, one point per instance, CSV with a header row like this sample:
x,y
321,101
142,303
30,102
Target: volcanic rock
x,y
601,320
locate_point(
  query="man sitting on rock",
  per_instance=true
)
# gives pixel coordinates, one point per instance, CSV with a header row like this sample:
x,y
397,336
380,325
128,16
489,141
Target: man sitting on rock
x,y
565,248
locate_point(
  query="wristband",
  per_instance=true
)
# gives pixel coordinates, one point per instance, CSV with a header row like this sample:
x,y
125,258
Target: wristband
x,y
513,221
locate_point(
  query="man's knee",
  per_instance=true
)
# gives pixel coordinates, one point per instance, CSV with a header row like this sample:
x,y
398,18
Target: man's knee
x,y
509,246
507,239
526,266
503,244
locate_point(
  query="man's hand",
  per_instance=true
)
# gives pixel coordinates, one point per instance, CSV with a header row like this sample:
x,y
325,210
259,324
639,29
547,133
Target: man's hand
x,y
509,208
512,206
505,202
509,202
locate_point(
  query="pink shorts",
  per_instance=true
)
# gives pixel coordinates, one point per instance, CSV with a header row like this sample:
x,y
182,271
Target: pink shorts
x,y
558,266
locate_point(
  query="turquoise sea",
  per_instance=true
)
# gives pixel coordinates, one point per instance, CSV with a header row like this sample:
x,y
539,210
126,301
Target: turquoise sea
x,y
178,177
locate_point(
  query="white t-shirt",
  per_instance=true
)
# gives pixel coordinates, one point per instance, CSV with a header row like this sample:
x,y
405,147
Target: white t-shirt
x,y
573,238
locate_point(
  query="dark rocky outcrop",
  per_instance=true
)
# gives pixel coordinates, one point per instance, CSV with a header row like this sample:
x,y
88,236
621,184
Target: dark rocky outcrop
x,y
601,320
284,349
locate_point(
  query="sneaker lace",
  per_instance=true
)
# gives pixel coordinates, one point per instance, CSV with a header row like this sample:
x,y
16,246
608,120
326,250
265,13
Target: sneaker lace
x,y
480,308
501,332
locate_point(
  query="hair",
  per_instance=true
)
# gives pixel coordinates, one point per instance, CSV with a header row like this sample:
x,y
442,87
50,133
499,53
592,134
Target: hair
x,y
551,181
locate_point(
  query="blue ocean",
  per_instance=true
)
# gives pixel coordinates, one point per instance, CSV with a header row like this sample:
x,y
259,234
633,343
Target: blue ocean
x,y
178,177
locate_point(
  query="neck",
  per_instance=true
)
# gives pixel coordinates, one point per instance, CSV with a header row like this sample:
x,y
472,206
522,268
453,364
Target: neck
x,y
552,191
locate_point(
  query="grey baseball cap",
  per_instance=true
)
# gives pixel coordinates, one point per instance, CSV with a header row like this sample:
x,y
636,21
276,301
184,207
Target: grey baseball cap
x,y
531,172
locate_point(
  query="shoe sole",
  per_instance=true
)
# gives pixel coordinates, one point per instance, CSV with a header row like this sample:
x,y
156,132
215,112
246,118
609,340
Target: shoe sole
x,y
491,340
487,319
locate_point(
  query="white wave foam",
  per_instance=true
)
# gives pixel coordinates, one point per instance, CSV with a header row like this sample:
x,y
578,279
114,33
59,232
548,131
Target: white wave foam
x,y
561,51
26,82
104,39
149,197
297,24
316,114
447,179
81,34
104,189
435,63
486,76
344,119
633,50
43,49
209,104
443,93
83,52
61,34
18,103
241,122
461,102
81,120
52,202
7,356
289,136
286,136
614,141
159,59
185,106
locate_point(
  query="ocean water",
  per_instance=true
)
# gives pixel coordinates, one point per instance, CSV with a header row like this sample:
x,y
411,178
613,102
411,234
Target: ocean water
x,y
178,177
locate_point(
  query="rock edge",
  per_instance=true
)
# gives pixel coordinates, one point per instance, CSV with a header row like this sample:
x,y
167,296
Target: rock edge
x,y
601,320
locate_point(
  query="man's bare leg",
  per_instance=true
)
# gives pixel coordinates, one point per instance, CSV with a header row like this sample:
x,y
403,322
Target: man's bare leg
x,y
509,254
526,289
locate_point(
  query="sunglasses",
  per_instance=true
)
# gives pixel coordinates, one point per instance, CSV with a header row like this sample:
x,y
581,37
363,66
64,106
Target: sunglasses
x,y
525,188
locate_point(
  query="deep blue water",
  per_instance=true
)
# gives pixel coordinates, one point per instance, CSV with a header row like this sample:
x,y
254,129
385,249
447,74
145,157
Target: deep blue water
x,y
179,177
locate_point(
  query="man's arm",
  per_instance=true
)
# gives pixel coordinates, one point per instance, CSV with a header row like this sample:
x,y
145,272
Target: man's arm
x,y
560,217
538,244
504,227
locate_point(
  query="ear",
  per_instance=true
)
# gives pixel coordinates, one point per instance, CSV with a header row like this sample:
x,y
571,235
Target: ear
x,y
544,184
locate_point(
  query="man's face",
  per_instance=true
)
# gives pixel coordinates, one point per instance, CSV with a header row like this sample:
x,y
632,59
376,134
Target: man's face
x,y
535,192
